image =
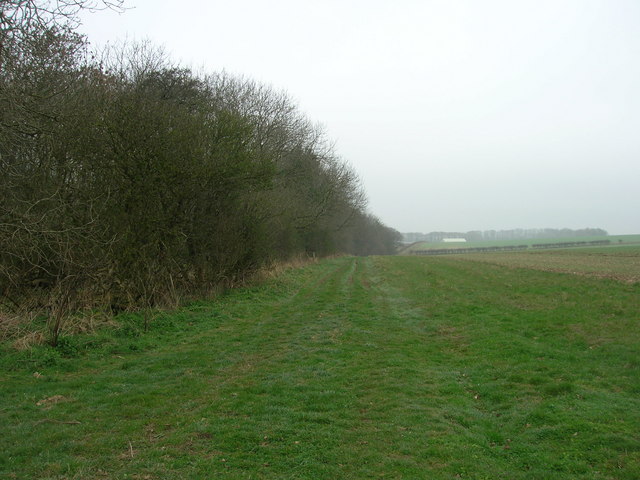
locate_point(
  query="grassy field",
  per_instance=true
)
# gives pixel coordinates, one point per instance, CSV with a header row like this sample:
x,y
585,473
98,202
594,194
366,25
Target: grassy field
x,y
615,240
380,367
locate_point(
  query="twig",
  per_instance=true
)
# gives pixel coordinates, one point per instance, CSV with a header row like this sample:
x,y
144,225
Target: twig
x,y
51,420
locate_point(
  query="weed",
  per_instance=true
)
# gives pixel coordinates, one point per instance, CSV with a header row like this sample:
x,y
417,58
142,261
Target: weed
x,y
67,347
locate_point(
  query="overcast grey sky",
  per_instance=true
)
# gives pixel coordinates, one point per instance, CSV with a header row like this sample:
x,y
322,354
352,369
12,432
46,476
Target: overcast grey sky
x,y
457,114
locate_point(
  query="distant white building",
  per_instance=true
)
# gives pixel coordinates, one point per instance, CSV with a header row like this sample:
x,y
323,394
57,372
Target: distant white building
x,y
454,240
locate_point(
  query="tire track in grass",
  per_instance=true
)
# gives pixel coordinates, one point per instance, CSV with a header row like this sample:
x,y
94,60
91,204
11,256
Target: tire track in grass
x,y
395,381
300,394
312,394
363,379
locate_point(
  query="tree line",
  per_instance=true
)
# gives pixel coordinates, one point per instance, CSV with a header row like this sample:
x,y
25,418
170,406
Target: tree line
x,y
127,180
514,234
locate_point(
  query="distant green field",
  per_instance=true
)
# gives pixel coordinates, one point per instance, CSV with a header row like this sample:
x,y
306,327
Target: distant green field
x,y
400,367
615,239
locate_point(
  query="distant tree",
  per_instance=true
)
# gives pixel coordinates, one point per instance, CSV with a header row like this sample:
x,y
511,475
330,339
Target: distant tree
x,y
474,236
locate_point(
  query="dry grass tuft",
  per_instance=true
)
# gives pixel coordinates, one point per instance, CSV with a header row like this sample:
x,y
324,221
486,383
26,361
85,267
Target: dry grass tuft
x,y
14,325
28,328
278,267
29,340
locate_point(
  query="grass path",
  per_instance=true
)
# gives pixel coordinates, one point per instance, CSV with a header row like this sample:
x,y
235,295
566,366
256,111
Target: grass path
x,y
392,367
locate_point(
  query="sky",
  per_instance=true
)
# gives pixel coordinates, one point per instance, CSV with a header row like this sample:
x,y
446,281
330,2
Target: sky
x,y
457,115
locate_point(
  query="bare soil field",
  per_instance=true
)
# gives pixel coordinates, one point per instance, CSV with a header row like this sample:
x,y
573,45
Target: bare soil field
x,y
618,263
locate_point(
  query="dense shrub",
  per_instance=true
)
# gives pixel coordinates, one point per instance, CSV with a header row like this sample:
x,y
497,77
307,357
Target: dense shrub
x,y
126,181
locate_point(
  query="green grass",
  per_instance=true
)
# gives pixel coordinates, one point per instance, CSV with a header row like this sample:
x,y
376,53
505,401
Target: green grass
x,y
615,240
384,367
